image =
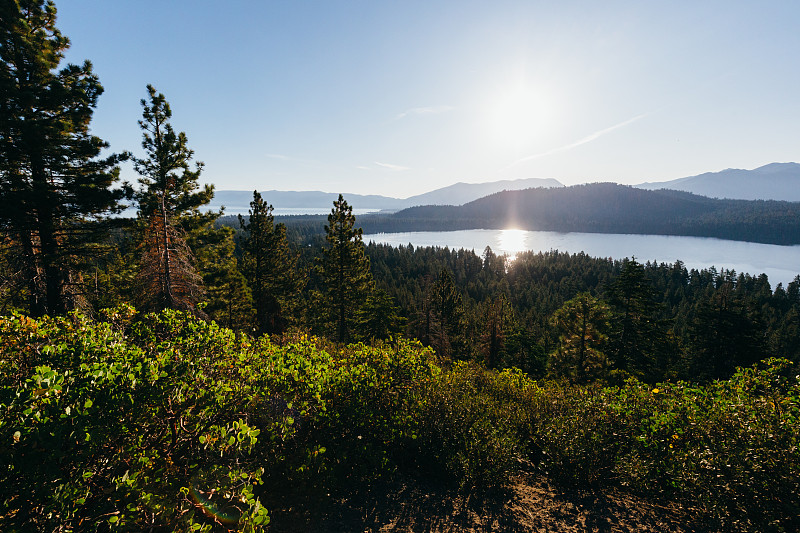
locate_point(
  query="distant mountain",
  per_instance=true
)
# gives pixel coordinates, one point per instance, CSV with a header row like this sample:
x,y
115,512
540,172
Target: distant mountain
x,y
239,201
457,194
605,208
776,181
461,193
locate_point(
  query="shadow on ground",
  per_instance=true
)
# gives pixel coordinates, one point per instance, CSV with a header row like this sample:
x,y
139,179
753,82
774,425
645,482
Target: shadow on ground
x,y
527,504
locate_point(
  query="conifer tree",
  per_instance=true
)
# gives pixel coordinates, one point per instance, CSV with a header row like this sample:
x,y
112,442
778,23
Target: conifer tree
x,y
229,301
583,324
722,336
497,319
344,268
53,181
270,267
380,318
169,202
638,343
445,318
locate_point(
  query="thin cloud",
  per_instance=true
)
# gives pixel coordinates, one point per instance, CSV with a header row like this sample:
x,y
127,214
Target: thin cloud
x,y
396,168
589,138
294,160
431,110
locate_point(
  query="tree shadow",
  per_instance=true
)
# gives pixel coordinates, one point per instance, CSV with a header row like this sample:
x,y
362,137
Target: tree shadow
x,y
528,503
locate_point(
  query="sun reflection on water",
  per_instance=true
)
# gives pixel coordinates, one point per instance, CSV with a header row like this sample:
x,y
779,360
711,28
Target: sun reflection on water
x,y
511,242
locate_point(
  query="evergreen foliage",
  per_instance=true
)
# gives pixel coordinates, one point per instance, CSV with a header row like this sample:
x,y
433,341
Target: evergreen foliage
x,y
52,177
228,299
169,185
168,205
639,340
270,267
582,324
345,273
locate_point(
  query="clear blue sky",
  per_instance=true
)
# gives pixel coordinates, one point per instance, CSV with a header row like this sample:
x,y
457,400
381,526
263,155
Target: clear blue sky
x,y
402,97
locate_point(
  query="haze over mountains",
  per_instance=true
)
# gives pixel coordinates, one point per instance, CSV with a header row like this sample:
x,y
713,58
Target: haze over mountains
x,y
456,194
776,181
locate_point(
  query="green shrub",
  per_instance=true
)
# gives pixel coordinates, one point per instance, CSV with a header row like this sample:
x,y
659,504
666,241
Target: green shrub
x,y
729,448
96,429
466,433
171,423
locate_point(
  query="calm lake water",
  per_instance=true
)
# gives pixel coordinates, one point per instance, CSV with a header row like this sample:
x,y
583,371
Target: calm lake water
x,y
780,263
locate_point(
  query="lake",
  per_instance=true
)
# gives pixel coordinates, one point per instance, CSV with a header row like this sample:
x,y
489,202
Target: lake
x,y
780,263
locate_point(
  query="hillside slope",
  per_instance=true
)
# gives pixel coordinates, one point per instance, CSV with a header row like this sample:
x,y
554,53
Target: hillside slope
x,y
776,181
607,208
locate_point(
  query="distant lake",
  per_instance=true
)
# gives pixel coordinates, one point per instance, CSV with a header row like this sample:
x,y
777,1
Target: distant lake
x,y
780,263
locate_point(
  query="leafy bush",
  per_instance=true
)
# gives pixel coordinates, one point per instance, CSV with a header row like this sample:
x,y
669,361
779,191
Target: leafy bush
x,y
730,448
97,429
468,432
172,423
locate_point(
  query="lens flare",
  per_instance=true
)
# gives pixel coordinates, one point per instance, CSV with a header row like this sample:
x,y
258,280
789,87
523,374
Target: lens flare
x,y
211,509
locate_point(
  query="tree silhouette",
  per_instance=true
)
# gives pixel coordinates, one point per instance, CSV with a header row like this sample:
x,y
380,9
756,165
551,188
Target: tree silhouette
x,y
52,180
583,324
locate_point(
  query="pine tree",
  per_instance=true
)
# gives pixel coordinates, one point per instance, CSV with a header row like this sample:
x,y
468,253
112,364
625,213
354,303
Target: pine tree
x,y
345,272
380,318
446,318
270,267
169,202
52,179
229,301
583,324
722,336
638,342
497,321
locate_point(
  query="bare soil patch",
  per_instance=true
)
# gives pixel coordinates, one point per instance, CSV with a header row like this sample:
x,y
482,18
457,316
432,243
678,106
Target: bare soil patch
x,y
529,503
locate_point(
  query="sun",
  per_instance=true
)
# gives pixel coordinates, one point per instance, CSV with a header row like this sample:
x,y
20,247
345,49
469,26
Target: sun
x,y
519,115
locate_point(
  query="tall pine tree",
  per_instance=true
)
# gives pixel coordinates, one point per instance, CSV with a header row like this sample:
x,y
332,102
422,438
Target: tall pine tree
x,y
345,271
169,202
638,342
53,182
270,267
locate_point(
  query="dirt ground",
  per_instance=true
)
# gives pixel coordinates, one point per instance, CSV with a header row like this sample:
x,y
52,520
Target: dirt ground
x,y
528,504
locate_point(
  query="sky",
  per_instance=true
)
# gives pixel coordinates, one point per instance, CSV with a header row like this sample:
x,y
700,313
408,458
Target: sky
x,y
402,97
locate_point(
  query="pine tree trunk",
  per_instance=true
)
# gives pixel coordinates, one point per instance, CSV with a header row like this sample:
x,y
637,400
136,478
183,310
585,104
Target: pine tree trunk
x,y
168,299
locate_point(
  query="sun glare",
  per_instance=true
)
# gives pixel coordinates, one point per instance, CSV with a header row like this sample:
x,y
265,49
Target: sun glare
x,y
520,115
512,242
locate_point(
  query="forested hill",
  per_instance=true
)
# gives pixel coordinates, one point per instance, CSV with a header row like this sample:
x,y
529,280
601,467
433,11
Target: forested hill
x,y
606,208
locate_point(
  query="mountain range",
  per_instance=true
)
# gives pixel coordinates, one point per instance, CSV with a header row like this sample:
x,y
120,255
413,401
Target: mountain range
x,y
456,194
776,181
